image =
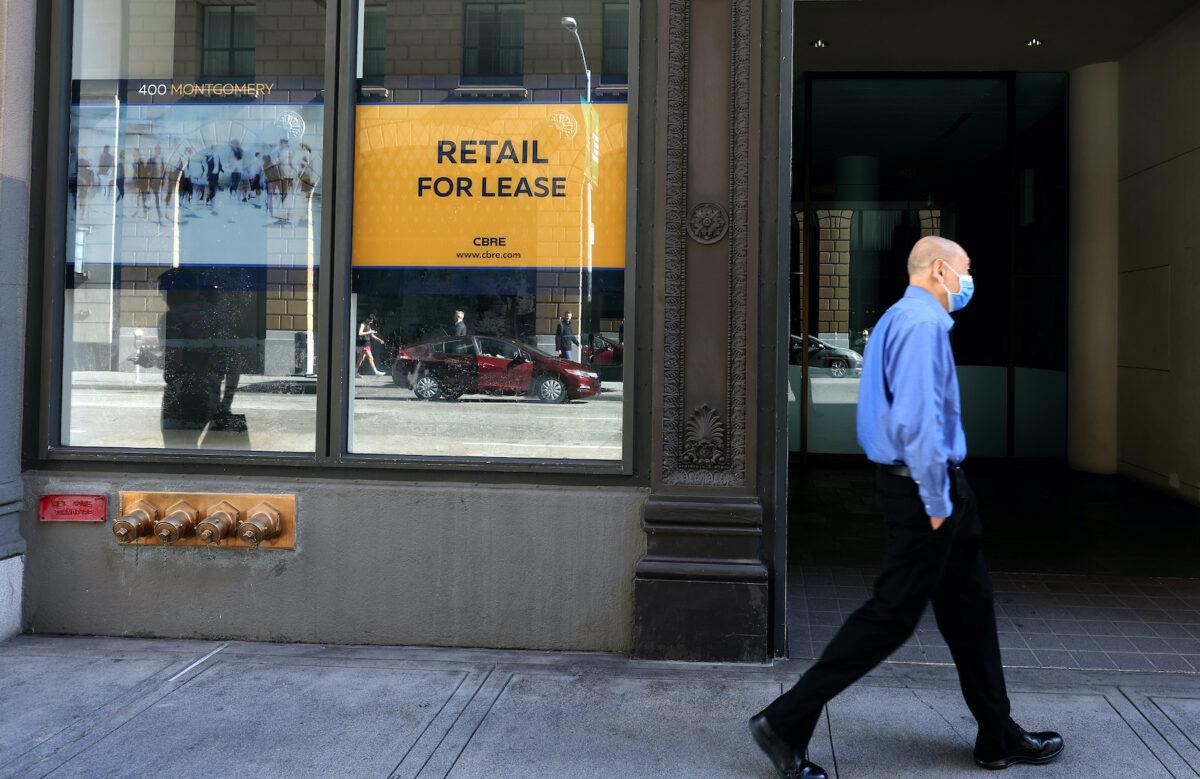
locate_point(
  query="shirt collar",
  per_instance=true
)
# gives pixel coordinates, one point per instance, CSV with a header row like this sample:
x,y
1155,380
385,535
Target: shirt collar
x,y
926,298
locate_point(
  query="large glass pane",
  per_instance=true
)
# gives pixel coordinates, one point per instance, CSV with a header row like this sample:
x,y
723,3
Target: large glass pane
x,y
1040,349
488,267
893,160
193,225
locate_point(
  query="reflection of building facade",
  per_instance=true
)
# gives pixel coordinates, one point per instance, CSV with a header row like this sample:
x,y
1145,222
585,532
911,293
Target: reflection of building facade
x,y
651,519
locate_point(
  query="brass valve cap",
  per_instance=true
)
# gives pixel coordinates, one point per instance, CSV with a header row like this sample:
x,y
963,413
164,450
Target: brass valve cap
x,y
219,524
264,523
138,522
178,523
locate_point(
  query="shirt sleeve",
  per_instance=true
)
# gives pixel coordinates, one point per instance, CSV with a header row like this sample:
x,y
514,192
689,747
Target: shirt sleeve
x,y
915,376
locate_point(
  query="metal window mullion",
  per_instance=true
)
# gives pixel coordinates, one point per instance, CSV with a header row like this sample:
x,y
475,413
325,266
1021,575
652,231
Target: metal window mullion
x,y
57,154
335,378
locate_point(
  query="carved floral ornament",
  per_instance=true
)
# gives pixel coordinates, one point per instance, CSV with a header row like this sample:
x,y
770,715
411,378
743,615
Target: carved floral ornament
x,y
707,223
704,442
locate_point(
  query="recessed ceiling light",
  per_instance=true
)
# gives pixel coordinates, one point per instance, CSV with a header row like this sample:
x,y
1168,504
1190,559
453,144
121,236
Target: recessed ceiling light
x,y
819,44
1033,42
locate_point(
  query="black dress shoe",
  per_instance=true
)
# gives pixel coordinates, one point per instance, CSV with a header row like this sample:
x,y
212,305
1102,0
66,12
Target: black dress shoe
x,y
790,763
1019,747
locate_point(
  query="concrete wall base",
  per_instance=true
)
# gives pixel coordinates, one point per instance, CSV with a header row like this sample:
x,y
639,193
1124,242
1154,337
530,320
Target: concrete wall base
x,y
12,573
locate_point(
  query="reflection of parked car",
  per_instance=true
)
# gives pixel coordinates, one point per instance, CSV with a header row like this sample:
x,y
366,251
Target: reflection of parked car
x,y
840,362
602,351
452,366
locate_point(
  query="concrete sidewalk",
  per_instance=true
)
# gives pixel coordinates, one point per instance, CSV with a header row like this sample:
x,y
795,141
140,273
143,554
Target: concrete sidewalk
x,y
124,707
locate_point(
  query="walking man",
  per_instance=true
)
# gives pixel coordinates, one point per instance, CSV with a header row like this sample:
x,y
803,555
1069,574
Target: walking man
x,y
564,337
908,423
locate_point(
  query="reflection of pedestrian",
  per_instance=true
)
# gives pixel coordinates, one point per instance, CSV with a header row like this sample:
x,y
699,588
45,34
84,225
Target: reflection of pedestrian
x,y
212,174
908,423
202,362
460,327
564,337
235,168
154,177
105,169
120,175
366,334
190,367
256,176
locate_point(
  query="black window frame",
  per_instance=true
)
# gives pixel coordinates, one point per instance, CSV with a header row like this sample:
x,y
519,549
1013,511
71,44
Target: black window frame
x,y
42,403
475,76
612,54
231,50
368,50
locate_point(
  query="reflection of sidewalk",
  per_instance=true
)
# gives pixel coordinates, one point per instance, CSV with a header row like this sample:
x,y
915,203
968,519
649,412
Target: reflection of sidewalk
x,y
151,380
413,712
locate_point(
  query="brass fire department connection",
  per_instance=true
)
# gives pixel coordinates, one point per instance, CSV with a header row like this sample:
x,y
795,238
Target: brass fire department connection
x,y
264,522
138,521
180,520
219,522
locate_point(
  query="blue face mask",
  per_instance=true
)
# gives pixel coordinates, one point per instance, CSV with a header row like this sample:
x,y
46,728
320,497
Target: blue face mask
x,y
966,288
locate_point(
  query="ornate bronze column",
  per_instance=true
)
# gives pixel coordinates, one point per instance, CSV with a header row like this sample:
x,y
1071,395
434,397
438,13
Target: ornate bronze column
x,y
701,591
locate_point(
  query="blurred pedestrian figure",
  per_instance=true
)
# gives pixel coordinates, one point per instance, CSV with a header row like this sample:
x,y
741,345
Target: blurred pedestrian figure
x,y
366,334
564,337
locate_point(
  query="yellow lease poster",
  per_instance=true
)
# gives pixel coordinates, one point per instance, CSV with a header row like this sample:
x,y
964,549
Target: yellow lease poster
x,y
524,185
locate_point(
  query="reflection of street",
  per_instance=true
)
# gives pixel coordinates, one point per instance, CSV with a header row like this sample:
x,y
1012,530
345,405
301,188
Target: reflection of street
x,y
390,420
109,409
826,390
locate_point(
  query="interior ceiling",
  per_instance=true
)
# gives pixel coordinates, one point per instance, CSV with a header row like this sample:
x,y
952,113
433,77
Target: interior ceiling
x,y
957,35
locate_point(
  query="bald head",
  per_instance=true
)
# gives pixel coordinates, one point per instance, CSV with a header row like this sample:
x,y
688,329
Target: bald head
x,y
930,248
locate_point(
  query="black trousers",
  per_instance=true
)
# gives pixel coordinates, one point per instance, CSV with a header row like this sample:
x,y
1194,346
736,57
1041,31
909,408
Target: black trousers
x,y
922,564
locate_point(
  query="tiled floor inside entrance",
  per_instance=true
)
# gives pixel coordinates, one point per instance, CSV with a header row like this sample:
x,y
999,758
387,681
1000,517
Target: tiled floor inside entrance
x,y
1089,572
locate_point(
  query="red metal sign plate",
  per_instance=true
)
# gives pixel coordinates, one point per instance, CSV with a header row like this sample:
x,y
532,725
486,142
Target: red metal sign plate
x,y
73,508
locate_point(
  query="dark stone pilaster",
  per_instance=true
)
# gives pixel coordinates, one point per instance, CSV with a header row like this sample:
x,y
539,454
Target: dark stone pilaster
x,y
702,590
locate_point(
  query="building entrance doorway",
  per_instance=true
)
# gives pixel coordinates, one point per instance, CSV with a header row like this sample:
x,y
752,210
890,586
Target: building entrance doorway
x,y
880,161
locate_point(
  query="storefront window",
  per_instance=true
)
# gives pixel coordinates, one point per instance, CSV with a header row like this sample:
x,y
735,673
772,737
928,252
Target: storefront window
x,y
488,261
192,238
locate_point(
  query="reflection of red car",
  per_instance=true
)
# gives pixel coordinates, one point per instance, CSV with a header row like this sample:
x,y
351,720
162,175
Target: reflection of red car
x,y
452,366
602,351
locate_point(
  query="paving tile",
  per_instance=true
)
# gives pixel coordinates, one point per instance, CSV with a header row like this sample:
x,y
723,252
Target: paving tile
x,y
1019,657
1043,641
561,726
1169,662
881,734
824,618
1101,628
1187,646
1150,644
938,654
40,695
1093,661
247,718
1170,630
1054,658
1065,627
1131,661
908,654
1012,641
1080,643
1115,644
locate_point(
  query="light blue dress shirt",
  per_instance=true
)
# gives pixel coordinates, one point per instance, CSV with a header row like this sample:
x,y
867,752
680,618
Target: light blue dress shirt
x,y
908,406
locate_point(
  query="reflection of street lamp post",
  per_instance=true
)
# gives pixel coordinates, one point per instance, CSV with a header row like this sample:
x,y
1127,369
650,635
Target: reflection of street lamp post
x,y
570,25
